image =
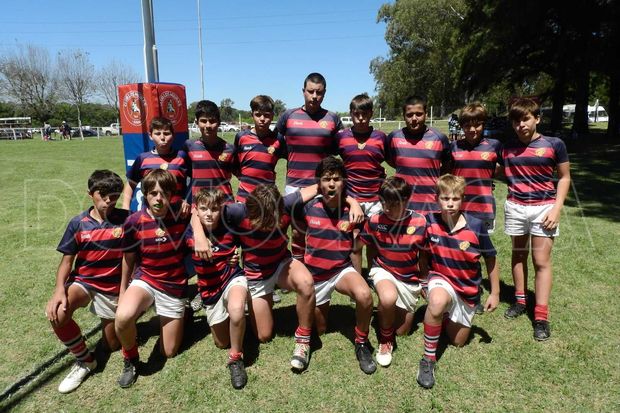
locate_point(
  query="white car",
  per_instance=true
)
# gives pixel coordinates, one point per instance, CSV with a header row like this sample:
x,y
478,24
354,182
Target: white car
x,y
347,122
227,127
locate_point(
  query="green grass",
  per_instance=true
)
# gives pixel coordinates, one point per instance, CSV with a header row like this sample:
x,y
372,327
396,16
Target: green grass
x,y
501,369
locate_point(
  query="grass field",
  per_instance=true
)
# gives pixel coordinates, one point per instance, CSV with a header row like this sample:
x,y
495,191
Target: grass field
x,y
501,369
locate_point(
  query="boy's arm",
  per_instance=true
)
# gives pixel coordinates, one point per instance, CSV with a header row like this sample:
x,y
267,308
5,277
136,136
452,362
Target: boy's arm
x,y
552,219
127,268
423,258
202,245
309,193
493,271
59,298
356,215
128,193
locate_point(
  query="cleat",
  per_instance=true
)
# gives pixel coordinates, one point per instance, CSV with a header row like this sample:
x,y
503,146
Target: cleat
x,y
426,373
238,376
364,356
515,311
276,297
384,355
301,357
129,374
77,374
542,331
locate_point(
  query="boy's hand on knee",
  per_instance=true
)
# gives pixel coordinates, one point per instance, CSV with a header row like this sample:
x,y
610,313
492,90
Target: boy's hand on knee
x,y
59,299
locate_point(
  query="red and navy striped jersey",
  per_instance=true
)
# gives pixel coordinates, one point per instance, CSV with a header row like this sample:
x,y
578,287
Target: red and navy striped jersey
x,y
455,256
363,163
398,244
174,162
529,169
418,160
210,166
477,165
329,239
309,138
97,248
214,275
262,251
159,245
256,159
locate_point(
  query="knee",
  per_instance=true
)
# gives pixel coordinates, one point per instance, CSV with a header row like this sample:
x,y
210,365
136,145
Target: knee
x,y
123,319
459,341
170,353
236,312
436,307
388,299
221,344
363,297
263,337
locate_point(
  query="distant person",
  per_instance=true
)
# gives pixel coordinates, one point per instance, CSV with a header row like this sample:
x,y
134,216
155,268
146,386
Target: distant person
x,y
533,208
89,272
453,127
47,131
65,130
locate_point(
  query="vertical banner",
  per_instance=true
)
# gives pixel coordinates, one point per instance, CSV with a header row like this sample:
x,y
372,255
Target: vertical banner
x,y
139,104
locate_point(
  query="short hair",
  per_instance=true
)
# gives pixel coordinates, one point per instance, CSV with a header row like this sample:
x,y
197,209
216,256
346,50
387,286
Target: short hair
x,y
394,190
330,165
414,100
161,123
106,182
315,77
265,207
361,102
210,197
522,107
262,103
450,183
207,108
167,182
473,112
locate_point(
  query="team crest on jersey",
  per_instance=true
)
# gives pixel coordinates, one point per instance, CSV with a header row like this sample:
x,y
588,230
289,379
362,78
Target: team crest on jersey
x,y
540,152
464,245
171,106
223,157
164,166
410,230
344,226
135,108
485,155
160,232
428,145
271,150
323,124
117,232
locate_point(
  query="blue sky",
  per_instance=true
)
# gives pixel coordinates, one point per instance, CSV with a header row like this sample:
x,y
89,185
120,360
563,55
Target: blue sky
x,y
249,47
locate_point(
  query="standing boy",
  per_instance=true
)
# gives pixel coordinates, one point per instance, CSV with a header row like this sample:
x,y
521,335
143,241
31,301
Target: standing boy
x,y
419,154
93,241
533,208
455,242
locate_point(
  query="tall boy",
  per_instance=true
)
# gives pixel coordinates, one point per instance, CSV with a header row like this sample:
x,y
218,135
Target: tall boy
x,y
309,133
329,244
455,242
93,241
419,154
222,286
398,234
153,259
162,156
532,210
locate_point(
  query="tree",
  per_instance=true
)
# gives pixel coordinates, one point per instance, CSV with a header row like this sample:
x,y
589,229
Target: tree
x,y
279,107
27,78
76,76
110,77
227,112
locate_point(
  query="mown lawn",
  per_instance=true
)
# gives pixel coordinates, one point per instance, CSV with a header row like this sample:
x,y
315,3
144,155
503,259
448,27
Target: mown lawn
x,y
501,369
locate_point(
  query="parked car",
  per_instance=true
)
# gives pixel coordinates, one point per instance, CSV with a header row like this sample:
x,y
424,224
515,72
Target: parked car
x,y
113,129
347,122
227,127
87,132
377,120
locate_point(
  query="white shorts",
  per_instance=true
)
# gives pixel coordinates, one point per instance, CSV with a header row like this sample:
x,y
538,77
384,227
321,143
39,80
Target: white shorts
x,y
101,305
324,289
371,208
218,312
165,305
459,311
407,293
259,288
527,219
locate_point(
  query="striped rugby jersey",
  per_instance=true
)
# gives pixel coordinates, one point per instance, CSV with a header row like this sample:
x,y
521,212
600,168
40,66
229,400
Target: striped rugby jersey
x,y
210,166
174,162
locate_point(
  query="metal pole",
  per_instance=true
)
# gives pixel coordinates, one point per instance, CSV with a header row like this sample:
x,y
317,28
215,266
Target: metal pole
x,y
202,73
150,49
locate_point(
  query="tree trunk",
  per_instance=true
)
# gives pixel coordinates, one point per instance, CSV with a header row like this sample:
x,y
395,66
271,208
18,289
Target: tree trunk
x,y
582,90
79,116
558,95
613,106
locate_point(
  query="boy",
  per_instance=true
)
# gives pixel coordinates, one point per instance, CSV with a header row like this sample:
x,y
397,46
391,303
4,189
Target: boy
x,y
257,150
533,208
475,159
419,154
397,233
309,133
455,242
223,287
94,238
153,257
329,244
362,149
210,158
261,225
162,156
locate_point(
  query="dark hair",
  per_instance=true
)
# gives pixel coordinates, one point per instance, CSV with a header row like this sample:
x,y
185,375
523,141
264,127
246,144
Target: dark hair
x,y
361,102
161,123
106,182
522,107
210,197
262,103
473,112
414,100
206,108
315,78
394,190
167,182
330,165
265,207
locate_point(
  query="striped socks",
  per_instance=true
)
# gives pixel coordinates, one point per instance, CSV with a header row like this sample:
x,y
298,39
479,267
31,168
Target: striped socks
x,y
71,336
431,339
